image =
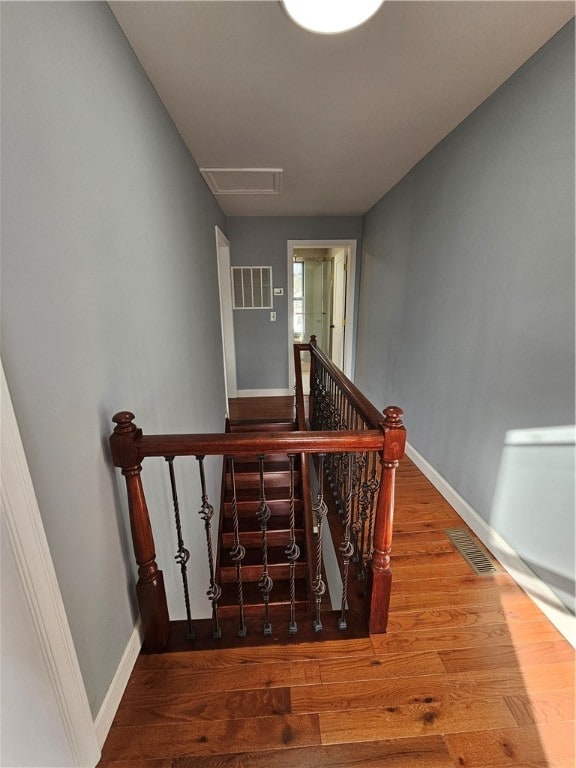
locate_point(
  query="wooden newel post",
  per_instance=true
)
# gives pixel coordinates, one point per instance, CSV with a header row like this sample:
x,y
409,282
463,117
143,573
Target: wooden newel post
x,y
150,590
381,575
313,343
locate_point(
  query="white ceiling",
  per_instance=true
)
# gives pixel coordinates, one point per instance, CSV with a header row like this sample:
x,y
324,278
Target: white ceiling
x,y
344,116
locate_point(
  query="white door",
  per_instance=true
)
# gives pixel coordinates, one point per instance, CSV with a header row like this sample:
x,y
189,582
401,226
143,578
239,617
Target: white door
x,y
339,309
314,302
226,315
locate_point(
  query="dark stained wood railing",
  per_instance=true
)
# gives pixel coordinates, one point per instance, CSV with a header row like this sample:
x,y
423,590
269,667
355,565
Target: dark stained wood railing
x,y
305,472
335,403
383,434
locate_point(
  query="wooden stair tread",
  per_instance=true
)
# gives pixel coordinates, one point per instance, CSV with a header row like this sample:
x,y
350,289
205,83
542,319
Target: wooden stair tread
x,y
262,426
248,495
272,479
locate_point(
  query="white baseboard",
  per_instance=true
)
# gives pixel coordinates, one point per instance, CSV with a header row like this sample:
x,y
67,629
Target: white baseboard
x,y
524,576
265,392
107,712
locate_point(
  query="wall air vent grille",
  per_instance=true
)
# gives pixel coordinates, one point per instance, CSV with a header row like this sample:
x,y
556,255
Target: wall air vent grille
x,y
471,550
252,287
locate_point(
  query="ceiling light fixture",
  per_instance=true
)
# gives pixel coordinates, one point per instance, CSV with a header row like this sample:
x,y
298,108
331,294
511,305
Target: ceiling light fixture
x,y
329,17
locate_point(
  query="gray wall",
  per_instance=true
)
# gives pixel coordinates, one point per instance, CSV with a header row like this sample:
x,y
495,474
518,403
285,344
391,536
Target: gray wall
x,y
261,354
467,296
534,503
109,298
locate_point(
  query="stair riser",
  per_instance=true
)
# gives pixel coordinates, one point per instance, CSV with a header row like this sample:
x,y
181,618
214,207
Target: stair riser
x,y
252,458
271,480
242,466
277,612
249,508
254,538
251,573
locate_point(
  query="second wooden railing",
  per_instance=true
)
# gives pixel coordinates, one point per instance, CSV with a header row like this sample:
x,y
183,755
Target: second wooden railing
x,y
361,483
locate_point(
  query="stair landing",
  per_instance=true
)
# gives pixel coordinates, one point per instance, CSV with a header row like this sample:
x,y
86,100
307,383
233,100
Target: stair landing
x,y
262,408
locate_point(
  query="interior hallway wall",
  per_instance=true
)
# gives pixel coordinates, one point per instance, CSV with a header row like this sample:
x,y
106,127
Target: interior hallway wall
x,y
109,300
261,345
467,295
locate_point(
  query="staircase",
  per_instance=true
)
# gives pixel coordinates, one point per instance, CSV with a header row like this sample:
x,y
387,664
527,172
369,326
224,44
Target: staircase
x,y
278,533
269,564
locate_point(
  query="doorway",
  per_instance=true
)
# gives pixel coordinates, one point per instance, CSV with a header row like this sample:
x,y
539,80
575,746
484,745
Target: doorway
x,y
226,316
321,298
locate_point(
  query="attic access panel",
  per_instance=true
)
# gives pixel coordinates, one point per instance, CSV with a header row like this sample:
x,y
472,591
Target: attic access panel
x,y
252,287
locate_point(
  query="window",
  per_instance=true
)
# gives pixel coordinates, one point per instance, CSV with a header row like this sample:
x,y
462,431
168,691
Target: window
x,y
298,297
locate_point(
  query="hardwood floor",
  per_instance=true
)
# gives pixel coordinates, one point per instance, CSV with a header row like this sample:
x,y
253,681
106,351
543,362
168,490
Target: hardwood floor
x,y
470,674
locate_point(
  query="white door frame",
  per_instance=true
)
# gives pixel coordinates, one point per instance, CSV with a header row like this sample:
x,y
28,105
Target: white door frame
x,y
28,541
351,245
226,315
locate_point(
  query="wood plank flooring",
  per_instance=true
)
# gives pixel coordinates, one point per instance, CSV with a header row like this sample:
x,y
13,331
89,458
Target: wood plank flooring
x,y
470,674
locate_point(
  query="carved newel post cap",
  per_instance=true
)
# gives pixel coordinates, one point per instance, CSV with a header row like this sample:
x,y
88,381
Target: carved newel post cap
x,y
124,421
313,340
393,416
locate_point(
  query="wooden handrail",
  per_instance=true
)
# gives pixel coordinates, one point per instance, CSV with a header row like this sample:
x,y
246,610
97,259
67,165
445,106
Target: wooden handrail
x,y
130,447
389,424
359,402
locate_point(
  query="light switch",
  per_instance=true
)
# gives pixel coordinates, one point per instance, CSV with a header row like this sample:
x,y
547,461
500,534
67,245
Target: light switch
x,y
272,317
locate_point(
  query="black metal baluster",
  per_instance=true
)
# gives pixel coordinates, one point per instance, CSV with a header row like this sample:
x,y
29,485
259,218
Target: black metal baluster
x,y
238,552
322,409
263,514
341,490
341,410
357,518
182,555
336,457
331,419
316,416
373,488
347,547
292,552
338,407
206,513
319,510
363,506
334,419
